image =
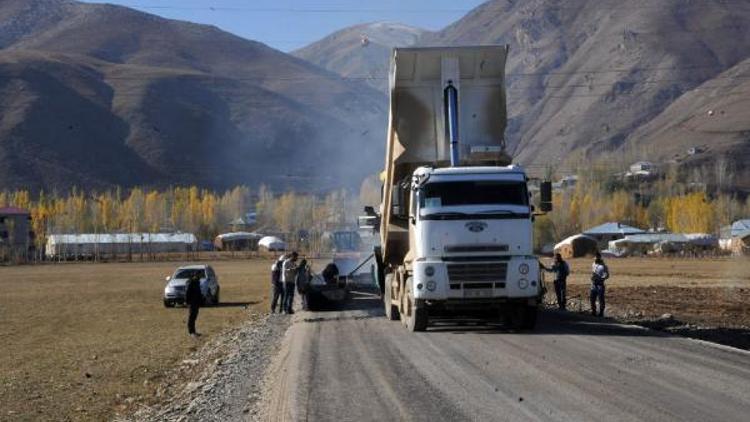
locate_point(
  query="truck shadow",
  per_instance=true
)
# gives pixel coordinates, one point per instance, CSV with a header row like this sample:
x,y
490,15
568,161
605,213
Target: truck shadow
x,y
549,323
368,304
356,300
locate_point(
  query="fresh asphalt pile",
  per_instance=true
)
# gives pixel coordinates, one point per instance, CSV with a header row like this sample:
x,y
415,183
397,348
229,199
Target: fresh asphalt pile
x,y
228,376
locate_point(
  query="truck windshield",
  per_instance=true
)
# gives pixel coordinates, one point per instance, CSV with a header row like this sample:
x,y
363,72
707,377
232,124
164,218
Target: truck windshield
x,y
474,192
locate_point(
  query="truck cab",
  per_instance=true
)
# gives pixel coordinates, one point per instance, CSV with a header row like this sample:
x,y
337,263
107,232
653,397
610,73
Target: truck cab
x,y
472,245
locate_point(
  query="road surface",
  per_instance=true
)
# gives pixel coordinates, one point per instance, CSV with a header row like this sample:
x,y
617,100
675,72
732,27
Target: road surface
x,y
353,365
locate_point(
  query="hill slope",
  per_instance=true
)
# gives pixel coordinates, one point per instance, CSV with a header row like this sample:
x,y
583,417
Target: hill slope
x,y
362,51
97,95
584,74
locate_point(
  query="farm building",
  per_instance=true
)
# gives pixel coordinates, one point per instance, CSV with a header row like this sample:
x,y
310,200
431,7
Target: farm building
x,y
642,170
577,246
736,238
16,237
237,241
90,245
664,244
608,232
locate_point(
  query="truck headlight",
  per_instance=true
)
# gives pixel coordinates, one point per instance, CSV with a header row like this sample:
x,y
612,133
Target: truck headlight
x,y
523,283
523,268
431,285
429,271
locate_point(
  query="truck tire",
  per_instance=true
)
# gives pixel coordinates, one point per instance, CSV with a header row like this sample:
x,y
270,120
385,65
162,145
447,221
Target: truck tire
x,y
417,318
391,310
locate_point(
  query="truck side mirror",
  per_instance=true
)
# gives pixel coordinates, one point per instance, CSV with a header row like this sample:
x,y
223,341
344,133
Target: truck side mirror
x,y
545,193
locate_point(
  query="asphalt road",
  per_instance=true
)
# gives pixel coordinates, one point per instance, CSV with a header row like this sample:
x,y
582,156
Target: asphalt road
x,y
353,365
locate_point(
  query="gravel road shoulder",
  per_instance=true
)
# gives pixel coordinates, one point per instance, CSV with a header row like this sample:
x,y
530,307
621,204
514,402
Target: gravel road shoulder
x,y
228,376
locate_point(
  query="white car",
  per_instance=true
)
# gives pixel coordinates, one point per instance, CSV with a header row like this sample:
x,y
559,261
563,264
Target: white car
x,y
174,292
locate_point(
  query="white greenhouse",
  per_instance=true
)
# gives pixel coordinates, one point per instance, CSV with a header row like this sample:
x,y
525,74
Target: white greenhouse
x,y
63,246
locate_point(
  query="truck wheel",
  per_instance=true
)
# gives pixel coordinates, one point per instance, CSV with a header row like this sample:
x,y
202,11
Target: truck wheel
x,y
391,310
418,318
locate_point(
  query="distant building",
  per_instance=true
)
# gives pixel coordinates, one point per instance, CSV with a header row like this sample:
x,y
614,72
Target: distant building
x,y
695,150
642,166
736,238
576,246
664,244
243,224
608,232
16,237
643,170
237,241
93,245
567,182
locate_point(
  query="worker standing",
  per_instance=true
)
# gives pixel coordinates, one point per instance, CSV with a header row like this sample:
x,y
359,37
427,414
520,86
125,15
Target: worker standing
x,y
193,298
561,270
288,276
276,285
599,275
330,273
303,280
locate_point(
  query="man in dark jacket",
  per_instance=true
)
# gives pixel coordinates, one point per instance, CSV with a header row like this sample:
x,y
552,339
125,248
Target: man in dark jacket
x,y
193,298
561,270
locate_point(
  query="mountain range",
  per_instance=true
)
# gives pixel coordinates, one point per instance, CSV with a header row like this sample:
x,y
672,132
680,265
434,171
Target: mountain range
x,y
99,95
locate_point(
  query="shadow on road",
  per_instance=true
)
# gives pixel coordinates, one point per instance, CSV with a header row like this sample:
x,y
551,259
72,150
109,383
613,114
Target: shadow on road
x,y
235,304
367,302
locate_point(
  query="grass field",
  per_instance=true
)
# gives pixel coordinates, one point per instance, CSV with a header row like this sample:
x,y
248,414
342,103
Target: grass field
x,y
83,341
705,292
80,341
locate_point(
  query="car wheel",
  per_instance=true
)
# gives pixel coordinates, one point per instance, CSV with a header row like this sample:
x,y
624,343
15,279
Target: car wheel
x,y
168,304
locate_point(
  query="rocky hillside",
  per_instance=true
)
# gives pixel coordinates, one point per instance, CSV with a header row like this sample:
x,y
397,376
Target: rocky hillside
x,y
584,75
361,52
713,119
99,95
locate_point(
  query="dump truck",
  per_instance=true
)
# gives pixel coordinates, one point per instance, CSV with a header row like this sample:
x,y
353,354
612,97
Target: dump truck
x,y
456,217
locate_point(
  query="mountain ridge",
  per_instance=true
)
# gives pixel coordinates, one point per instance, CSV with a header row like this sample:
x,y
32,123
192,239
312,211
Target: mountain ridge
x,y
181,103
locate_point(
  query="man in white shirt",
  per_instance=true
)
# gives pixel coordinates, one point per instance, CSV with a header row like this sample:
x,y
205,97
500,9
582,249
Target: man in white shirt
x,y
599,274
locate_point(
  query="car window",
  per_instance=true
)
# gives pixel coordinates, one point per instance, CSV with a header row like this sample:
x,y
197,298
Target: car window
x,y
188,273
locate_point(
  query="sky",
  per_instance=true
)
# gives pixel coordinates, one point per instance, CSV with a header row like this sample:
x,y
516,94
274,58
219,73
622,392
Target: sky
x,y
290,24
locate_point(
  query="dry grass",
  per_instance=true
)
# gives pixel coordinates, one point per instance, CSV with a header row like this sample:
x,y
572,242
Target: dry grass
x,y
81,341
683,272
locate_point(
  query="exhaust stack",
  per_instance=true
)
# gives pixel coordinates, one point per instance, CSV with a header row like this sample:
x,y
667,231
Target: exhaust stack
x,y
451,117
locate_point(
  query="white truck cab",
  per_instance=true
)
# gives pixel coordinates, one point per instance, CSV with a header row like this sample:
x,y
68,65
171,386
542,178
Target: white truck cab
x,y
472,234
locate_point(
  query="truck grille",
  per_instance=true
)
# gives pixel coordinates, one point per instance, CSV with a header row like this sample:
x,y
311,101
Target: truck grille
x,y
477,272
476,248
